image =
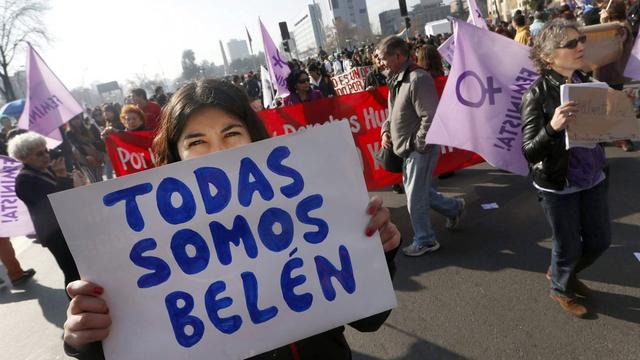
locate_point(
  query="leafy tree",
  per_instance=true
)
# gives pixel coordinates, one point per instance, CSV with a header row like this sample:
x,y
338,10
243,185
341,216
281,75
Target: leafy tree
x,y
190,70
21,22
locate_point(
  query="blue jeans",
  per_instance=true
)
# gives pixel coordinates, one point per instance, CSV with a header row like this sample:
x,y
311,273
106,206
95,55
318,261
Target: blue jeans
x,y
581,232
417,171
108,167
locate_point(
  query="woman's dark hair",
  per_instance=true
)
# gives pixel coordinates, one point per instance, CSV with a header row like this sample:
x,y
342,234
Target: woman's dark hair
x,y
429,58
293,78
519,20
79,130
193,97
617,11
591,17
314,66
115,122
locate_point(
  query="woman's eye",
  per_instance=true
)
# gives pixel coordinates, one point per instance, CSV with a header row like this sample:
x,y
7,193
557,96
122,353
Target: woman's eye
x,y
194,143
231,133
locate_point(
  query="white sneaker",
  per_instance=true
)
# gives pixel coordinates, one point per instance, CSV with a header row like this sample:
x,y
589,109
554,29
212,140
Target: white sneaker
x,y
417,250
452,223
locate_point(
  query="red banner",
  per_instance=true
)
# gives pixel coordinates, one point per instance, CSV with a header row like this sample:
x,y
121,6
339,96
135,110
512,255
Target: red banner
x,y
365,112
130,152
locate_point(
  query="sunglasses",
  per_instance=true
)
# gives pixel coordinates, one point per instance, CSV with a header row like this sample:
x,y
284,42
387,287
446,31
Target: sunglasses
x,y
302,81
572,44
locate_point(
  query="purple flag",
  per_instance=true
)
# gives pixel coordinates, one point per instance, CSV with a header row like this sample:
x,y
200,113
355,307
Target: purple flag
x,y
49,104
480,108
475,17
632,70
276,64
14,216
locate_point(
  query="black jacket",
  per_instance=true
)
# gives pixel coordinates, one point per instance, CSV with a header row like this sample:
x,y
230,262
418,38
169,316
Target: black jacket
x,y
542,146
32,187
375,78
326,87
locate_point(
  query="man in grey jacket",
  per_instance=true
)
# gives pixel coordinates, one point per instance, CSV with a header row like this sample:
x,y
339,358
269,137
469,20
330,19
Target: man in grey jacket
x,y
412,104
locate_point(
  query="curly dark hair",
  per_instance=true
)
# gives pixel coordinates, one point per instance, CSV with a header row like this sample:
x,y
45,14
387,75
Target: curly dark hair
x,y
552,36
292,79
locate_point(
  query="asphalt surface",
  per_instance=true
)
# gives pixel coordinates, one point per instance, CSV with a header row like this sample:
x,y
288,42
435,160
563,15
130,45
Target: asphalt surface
x,y
483,295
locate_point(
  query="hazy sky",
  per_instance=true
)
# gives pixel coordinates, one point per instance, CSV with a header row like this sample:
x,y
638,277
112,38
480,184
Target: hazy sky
x,y
105,40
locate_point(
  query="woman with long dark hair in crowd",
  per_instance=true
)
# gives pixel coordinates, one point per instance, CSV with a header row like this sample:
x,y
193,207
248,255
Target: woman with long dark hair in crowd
x,y
201,118
111,117
429,58
321,80
571,183
88,148
299,86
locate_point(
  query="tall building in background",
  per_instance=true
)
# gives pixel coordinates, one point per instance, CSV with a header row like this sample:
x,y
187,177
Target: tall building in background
x,y
351,16
308,31
238,49
428,11
391,22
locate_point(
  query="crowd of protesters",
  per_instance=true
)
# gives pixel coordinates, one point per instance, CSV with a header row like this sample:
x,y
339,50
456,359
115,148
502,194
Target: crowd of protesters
x,y
398,63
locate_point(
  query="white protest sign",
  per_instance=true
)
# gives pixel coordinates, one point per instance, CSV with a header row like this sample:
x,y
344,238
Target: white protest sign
x,y
351,81
231,254
603,115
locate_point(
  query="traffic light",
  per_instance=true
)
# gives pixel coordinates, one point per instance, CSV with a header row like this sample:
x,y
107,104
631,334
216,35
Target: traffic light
x,y
285,46
407,23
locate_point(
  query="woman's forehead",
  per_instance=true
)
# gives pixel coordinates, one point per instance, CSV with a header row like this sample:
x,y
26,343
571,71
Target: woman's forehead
x,y
211,117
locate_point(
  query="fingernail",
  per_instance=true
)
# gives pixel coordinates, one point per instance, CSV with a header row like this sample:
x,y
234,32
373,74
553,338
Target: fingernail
x,y
369,232
98,290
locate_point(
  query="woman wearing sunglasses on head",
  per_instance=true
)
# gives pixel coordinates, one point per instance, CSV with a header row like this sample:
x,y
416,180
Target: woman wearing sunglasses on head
x,y
571,183
202,118
299,86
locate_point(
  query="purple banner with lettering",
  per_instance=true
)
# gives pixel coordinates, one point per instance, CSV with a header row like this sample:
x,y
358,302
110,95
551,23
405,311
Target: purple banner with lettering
x,y
480,106
14,216
49,104
277,65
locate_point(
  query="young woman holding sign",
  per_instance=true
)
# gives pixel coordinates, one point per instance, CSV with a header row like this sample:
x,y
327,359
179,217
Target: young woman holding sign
x,y
202,118
571,184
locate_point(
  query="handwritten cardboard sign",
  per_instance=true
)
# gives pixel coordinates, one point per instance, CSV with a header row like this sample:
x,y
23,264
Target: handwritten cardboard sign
x,y
604,44
604,115
351,81
231,254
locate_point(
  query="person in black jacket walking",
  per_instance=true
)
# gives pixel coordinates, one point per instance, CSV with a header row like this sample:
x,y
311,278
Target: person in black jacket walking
x,y
38,178
571,183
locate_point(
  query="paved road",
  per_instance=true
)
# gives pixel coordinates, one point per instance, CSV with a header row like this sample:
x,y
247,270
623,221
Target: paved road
x,y
482,296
